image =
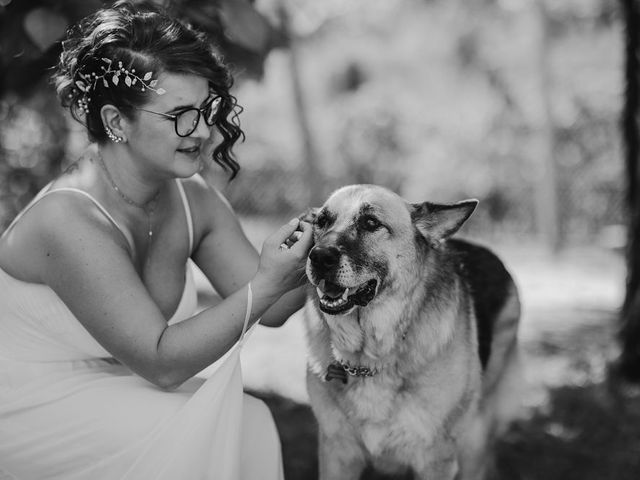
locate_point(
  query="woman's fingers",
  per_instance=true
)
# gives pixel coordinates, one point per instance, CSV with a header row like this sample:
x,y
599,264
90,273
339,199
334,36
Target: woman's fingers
x,y
284,232
284,254
302,239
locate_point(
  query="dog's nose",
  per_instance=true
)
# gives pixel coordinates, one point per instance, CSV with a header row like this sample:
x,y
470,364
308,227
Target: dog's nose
x,y
324,257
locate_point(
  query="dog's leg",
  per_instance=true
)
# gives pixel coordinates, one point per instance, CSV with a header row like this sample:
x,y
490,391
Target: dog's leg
x,y
340,459
340,453
501,401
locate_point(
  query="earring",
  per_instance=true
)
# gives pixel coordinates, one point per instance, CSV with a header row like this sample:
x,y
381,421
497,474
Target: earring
x,y
112,136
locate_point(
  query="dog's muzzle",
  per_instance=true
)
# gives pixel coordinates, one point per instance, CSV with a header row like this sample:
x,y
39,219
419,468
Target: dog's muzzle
x,y
334,298
324,259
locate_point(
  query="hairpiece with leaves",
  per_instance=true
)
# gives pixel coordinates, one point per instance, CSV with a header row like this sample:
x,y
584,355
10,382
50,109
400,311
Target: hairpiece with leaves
x,y
110,76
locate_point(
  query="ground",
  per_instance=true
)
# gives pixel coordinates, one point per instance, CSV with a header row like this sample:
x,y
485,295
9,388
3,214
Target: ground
x,y
580,424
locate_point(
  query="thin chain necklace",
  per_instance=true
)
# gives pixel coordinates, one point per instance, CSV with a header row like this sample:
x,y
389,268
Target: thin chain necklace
x,y
148,208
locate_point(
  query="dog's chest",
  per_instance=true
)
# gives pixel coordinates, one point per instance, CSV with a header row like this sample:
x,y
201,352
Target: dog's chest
x,y
390,415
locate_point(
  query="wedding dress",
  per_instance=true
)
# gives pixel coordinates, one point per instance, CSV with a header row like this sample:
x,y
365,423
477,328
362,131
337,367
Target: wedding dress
x,y
69,411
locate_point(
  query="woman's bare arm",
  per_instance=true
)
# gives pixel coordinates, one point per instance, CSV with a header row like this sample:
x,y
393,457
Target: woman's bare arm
x,y
228,258
84,262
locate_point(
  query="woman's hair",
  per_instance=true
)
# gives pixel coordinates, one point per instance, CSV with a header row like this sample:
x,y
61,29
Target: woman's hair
x,y
141,41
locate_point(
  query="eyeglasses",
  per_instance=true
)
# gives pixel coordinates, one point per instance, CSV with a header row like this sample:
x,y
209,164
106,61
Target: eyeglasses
x,y
187,120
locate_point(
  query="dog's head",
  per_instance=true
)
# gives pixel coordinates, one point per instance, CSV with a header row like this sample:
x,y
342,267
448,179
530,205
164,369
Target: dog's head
x,y
368,241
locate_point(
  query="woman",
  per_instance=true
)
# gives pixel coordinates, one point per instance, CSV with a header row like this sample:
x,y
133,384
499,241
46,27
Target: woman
x,y
99,337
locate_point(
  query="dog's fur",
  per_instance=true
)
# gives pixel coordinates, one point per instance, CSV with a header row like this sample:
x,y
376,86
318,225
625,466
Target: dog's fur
x,y
405,367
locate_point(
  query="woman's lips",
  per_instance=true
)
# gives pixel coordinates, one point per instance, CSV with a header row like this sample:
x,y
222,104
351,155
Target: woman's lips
x,y
190,151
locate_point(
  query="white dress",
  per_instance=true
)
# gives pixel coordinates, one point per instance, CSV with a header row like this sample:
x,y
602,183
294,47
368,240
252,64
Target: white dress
x,y
68,411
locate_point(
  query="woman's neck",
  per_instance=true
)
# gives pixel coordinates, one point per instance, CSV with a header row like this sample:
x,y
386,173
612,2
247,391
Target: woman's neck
x,y
125,177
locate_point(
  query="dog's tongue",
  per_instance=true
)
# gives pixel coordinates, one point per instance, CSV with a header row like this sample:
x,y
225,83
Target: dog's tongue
x,y
331,289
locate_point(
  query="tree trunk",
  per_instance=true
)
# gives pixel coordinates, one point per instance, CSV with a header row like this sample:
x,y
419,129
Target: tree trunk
x,y
547,188
629,363
313,173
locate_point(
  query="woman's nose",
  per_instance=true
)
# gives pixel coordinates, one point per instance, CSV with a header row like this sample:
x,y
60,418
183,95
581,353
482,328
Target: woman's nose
x,y
202,129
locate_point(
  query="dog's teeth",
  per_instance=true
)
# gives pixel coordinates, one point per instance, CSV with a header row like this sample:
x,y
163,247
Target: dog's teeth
x,y
345,294
320,292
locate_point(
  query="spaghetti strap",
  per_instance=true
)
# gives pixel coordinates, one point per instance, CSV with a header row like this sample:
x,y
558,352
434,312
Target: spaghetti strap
x,y
187,212
45,192
33,201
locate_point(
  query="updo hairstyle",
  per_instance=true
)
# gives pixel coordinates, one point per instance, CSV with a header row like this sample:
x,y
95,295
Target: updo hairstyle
x,y
141,40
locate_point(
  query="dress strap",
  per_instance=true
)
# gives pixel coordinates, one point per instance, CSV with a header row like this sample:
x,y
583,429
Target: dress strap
x,y
187,212
45,192
33,201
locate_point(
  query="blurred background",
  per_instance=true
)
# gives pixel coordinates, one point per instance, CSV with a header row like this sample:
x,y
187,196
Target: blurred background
x,y
518,103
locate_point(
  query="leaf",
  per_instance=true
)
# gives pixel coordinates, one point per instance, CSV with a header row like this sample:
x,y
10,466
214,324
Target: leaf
x,y
105,83
245,25
81,86
127,80
115,79
147,76
153,83
161,91
44,26
106,60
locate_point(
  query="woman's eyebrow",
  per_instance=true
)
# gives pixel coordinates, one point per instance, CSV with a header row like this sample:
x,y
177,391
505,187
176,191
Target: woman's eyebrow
x,y
184,107
181,107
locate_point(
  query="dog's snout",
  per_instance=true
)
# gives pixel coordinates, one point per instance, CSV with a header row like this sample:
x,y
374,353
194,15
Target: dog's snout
x,y
324,257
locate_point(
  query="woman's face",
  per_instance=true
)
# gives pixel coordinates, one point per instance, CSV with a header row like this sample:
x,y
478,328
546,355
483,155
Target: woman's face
x,y
152,138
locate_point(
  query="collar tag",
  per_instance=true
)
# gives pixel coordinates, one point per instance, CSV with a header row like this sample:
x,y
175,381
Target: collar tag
x,y
341,370
335,371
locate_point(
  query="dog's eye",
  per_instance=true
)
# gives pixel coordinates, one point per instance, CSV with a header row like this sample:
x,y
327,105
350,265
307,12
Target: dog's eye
x,y
322,220
370,223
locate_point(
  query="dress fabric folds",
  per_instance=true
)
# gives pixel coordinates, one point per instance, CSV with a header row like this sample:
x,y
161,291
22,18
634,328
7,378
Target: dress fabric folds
x,y
69,411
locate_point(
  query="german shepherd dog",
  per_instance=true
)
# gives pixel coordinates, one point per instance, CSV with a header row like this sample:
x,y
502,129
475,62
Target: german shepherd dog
x,y
410,336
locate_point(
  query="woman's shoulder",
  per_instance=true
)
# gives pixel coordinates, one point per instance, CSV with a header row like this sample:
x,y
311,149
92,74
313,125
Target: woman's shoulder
x,y
63,212
210,208
53,222
69,203
205,194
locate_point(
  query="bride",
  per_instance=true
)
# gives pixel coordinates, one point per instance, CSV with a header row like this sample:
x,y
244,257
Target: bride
x,y
100,337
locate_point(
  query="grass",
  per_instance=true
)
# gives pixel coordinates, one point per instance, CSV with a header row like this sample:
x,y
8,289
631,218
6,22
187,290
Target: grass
x,y
589,432
589,426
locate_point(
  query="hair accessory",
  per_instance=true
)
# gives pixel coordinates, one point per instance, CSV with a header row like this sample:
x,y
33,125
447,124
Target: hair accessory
x,y
110,76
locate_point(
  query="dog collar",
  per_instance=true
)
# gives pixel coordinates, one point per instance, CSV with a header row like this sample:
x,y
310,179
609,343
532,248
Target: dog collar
x,y
340,370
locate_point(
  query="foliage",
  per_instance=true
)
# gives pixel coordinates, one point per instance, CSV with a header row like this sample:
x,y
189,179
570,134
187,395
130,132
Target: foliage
x,y
446,108
27,165
440,109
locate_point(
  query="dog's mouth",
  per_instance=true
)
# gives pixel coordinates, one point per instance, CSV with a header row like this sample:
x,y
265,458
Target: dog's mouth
x,y
336,299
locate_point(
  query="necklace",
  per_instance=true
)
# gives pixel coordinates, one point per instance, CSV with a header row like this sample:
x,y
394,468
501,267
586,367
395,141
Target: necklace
x,y
148,208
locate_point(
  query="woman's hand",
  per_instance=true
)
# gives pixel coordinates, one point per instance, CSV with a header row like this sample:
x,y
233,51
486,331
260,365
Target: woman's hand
x,y
284,255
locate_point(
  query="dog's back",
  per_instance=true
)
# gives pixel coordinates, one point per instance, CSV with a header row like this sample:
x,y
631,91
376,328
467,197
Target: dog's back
x,y
497,313
495,300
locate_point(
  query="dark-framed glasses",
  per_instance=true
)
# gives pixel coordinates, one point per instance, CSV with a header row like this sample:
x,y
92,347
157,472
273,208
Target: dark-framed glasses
x,y
186,121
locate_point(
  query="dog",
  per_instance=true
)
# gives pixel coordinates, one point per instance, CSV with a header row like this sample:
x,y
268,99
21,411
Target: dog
x,y
410,335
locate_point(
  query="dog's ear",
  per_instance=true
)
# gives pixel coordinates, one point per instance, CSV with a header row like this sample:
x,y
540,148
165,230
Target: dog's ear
x,y
309,215
437,222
